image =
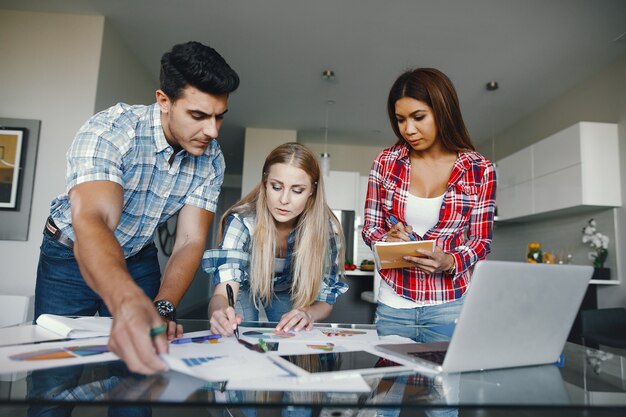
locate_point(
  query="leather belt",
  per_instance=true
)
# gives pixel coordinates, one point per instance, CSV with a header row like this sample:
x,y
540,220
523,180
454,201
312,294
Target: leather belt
x,y
55,233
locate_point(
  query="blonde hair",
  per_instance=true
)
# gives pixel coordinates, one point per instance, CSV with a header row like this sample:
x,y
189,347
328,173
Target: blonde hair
x,y
311,258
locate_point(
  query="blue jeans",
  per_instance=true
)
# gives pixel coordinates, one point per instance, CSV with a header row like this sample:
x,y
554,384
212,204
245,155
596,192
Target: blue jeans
x,y
438,321
62,290
281,304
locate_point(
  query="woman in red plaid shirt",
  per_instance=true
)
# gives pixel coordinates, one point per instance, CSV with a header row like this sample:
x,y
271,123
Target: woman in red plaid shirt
x,y
431,185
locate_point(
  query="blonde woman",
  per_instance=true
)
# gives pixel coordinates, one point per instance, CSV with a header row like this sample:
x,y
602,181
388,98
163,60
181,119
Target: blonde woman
x,y
281,248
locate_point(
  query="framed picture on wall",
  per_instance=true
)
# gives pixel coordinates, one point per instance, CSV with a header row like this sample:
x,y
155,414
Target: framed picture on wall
x,y
11,142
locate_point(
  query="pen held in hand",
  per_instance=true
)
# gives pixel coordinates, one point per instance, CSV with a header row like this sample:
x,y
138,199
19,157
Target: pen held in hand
x,y
395,221
256,348
231,303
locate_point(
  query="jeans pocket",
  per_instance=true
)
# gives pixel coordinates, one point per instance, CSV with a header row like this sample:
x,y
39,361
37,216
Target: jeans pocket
x,y
51,248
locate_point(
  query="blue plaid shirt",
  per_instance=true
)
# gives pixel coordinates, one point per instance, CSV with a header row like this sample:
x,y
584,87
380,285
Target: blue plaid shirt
x,y
231,262
126,145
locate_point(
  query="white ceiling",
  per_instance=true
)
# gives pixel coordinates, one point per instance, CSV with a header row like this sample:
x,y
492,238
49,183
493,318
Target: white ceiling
x,y
535,49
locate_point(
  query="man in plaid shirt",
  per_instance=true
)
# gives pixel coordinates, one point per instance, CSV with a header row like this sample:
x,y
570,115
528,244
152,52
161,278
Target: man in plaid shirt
x,y
129,169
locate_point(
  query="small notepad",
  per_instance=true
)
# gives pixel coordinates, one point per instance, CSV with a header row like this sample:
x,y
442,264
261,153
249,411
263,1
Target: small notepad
x,y
390,254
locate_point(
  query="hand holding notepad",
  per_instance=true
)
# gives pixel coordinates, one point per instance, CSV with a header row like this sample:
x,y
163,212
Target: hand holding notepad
x,y
391,254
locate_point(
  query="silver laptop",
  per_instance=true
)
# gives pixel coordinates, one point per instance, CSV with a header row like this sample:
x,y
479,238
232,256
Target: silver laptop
x,y
514,314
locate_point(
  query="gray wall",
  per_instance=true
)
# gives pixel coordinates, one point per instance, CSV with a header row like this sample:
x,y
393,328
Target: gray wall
x,y
562,234
602,98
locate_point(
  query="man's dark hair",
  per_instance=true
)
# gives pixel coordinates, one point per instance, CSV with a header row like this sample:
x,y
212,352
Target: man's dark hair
x,y
198,65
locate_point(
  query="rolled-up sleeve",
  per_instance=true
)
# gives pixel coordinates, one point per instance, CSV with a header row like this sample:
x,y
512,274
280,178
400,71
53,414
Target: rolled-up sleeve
x,y
331,286
231,261
97,152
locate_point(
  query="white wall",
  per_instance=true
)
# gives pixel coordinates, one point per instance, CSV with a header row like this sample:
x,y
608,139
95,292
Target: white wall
x,y
349,158
258,144
121,77
48,72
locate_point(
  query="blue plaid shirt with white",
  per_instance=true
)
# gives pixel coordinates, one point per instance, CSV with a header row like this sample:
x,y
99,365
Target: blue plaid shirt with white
x,y
231,262
126,145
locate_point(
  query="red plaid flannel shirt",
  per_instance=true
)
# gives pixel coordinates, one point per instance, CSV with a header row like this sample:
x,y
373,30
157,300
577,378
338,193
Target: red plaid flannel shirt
x,y
464,229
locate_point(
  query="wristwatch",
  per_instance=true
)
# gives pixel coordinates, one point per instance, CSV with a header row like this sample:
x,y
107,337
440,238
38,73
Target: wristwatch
x,y
166,309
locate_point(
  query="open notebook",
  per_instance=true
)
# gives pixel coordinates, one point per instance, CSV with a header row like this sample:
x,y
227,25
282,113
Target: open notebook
x,y
75,327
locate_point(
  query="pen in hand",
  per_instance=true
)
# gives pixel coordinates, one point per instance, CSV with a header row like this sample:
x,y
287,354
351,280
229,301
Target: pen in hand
x,y
231,303
395,221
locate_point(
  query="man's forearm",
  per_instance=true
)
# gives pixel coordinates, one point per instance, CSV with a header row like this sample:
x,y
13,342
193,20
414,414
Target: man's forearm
x,y
102,264
180,271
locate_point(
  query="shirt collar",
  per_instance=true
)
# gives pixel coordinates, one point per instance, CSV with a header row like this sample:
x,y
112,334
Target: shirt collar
x,y
160,142
463,163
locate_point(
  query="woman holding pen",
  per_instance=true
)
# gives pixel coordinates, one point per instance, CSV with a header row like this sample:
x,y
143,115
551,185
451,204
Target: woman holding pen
x,y
282,248
431,185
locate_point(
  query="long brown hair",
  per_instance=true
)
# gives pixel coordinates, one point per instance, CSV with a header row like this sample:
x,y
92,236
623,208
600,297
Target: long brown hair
x,y
311,256
433,87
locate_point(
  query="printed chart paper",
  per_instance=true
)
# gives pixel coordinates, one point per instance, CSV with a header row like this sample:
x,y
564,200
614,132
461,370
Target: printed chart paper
x,y
36,356
224,359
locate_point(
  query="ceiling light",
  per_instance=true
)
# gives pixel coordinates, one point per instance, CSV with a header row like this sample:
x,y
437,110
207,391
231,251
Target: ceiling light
x,y
327,75
492,86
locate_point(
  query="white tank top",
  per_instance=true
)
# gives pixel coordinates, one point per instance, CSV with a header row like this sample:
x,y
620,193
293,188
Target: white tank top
x,y
422,214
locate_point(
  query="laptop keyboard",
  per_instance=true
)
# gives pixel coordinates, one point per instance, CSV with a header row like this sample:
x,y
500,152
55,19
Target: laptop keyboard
x,y
433,356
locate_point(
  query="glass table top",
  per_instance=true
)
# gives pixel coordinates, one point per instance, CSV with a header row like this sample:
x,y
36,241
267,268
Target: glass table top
x,y
586,379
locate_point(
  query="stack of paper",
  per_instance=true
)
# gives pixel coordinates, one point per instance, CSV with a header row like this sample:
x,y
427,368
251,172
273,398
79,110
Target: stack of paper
x,y
75,327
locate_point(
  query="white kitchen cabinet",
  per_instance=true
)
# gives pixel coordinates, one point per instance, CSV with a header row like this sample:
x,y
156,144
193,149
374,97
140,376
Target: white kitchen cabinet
x,y
574,169
515,169
514,201
558,190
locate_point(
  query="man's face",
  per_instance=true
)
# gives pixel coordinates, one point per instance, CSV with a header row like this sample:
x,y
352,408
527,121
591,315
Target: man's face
x,y
193,120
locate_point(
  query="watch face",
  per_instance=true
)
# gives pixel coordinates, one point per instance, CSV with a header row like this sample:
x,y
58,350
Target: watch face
x,y
165,306
165,309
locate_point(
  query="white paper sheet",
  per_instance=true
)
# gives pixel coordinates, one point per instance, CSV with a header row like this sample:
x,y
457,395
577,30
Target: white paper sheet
x,y
295,348
28,333
345,383
76,327
54,354
223,359
317,335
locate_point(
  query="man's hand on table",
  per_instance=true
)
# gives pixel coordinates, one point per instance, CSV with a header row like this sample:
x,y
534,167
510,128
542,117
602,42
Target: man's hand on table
x,y
134,320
